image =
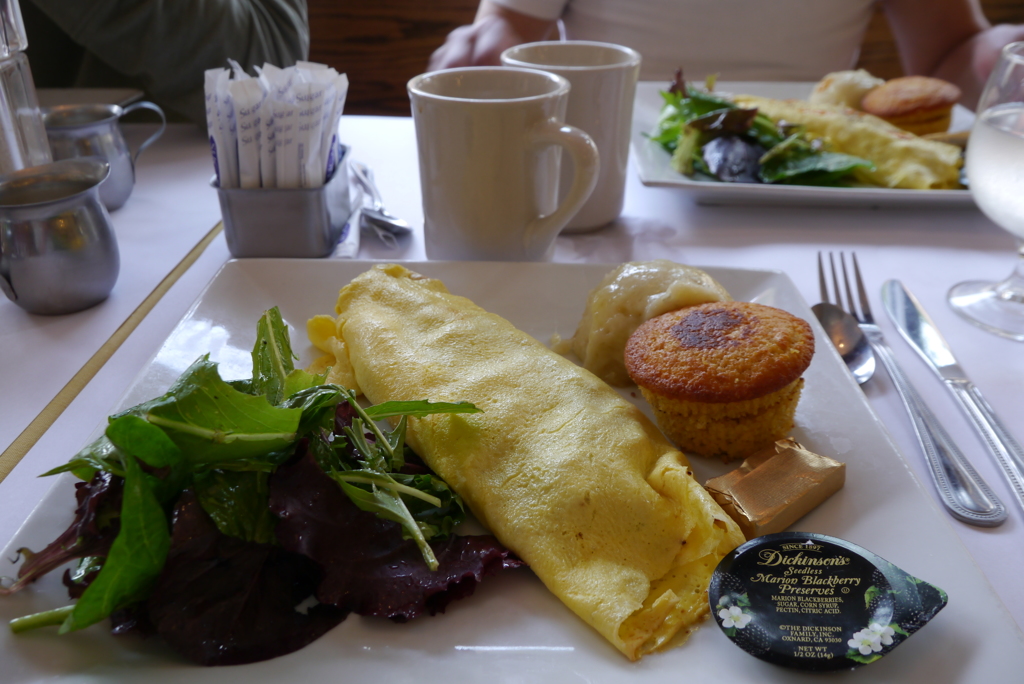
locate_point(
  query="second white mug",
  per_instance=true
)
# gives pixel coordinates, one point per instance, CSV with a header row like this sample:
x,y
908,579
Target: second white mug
x,y
603,78
489,142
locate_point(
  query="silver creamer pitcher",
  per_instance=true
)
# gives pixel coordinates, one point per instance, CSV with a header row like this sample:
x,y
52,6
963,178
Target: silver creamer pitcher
x,y
92,130
58,253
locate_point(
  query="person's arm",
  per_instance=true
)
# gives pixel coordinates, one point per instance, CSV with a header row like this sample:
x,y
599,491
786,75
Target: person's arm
x,y
948,39
168,45
495,29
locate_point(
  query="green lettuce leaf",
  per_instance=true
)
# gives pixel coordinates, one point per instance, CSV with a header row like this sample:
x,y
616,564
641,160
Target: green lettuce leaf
x,y
823,168
213,423
136,557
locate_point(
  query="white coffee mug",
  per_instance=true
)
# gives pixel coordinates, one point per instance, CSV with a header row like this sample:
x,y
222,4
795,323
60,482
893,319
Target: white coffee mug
x,y
490,141
603,78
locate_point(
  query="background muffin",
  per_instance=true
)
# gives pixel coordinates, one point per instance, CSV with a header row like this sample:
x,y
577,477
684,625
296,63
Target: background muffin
x,y
723,378
917,104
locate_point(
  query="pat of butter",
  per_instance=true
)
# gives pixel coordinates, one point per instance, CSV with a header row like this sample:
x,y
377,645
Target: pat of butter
x,y
777,486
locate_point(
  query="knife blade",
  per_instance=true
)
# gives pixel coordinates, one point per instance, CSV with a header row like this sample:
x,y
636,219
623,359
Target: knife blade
x,y
918,329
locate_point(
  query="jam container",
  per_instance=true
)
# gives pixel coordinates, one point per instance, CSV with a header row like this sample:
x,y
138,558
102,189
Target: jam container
x,y
814,602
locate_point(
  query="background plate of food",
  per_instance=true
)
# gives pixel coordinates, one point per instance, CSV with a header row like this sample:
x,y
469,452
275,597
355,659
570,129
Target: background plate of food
x,y
513,629
932,172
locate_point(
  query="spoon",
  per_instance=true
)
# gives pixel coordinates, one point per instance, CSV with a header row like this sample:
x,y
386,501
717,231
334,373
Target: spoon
x,y
848,339
387,226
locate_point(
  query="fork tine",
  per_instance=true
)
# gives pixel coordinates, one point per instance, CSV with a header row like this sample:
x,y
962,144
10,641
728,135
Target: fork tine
x,y
865,307
822,283
835,282
846,284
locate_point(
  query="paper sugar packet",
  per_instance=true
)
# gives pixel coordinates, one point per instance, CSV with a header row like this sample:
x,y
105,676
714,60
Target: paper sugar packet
x,y
278,129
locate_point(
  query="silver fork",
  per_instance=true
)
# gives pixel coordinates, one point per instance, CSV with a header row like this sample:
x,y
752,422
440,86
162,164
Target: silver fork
x,y
964,493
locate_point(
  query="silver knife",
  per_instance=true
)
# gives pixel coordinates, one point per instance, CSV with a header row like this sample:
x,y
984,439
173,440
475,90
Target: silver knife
x,y
918,329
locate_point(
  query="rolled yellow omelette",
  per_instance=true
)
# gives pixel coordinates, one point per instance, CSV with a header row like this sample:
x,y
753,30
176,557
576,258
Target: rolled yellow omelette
x,y
565,472
902,159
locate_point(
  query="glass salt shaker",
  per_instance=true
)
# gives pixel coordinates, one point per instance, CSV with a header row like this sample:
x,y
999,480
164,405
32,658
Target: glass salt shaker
x,y
23,140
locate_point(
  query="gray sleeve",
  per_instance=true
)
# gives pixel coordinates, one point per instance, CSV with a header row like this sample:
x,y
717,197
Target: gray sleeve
x,y
542,9
168,44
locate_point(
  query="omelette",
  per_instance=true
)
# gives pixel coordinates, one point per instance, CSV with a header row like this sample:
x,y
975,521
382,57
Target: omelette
x,y
901,159
565,472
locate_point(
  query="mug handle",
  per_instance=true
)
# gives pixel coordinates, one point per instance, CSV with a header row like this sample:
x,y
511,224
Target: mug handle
x,y
151,139
542,230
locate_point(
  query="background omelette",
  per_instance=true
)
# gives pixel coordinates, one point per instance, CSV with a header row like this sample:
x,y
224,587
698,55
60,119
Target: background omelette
x,y
901,159
566,473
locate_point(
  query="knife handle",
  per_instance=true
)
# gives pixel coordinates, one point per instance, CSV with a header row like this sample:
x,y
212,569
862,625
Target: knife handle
x,y
1004,447
967,497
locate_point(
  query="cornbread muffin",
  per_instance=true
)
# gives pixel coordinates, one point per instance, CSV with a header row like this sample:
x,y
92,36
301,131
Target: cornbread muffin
x,y
723,378
917,104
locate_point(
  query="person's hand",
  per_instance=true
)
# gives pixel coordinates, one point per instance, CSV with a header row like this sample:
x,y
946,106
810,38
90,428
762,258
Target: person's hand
x,y
481,43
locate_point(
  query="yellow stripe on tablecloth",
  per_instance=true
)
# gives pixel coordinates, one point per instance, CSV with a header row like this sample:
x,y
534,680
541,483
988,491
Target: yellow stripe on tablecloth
x,y
52,411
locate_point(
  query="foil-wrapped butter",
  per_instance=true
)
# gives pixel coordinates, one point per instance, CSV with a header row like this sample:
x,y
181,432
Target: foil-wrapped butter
x,y
776,487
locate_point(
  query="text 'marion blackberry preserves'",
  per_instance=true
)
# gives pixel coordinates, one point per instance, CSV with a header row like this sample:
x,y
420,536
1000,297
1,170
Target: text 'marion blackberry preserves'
x,y
814,602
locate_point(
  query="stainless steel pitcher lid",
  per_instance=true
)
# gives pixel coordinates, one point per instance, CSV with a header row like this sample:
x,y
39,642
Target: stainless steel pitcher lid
x,y
51,182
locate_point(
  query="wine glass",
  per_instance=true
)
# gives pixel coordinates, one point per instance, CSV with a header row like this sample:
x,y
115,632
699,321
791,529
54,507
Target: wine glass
x,y
995,175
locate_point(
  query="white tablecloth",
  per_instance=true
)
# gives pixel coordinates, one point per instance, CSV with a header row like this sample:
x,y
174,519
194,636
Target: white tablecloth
x,y
171,208
929,250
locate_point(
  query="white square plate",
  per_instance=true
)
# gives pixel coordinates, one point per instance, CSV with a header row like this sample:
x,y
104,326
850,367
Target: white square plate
x,y
654,167
513,629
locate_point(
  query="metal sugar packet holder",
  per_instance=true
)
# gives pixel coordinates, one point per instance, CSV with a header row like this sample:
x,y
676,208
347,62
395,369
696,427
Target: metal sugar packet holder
x,y
287,222
282,176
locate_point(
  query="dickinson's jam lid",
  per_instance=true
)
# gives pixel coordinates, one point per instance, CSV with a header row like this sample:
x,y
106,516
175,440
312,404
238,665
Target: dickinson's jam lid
x,y
813,602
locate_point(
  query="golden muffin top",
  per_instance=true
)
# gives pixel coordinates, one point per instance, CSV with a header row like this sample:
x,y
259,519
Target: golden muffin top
x,y
720,352
910,95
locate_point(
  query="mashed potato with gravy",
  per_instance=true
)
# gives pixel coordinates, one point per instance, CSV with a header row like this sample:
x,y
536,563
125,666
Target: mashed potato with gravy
x,y
626,297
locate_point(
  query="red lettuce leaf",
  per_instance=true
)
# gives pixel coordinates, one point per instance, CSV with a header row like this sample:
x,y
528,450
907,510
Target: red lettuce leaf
x,y
368,568
224,601
91,533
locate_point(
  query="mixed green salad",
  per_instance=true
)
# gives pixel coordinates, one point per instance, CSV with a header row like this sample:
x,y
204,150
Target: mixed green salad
x,y
242,520
712,138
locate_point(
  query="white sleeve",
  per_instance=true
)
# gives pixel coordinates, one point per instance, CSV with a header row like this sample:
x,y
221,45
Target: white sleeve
x,y
542,9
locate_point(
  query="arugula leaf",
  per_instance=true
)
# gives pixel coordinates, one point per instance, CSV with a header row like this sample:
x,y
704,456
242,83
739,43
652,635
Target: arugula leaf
x,y
317,405
764,131
271,356
367,471
136,557
418,409
436,521
273,373
390,506
383,480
